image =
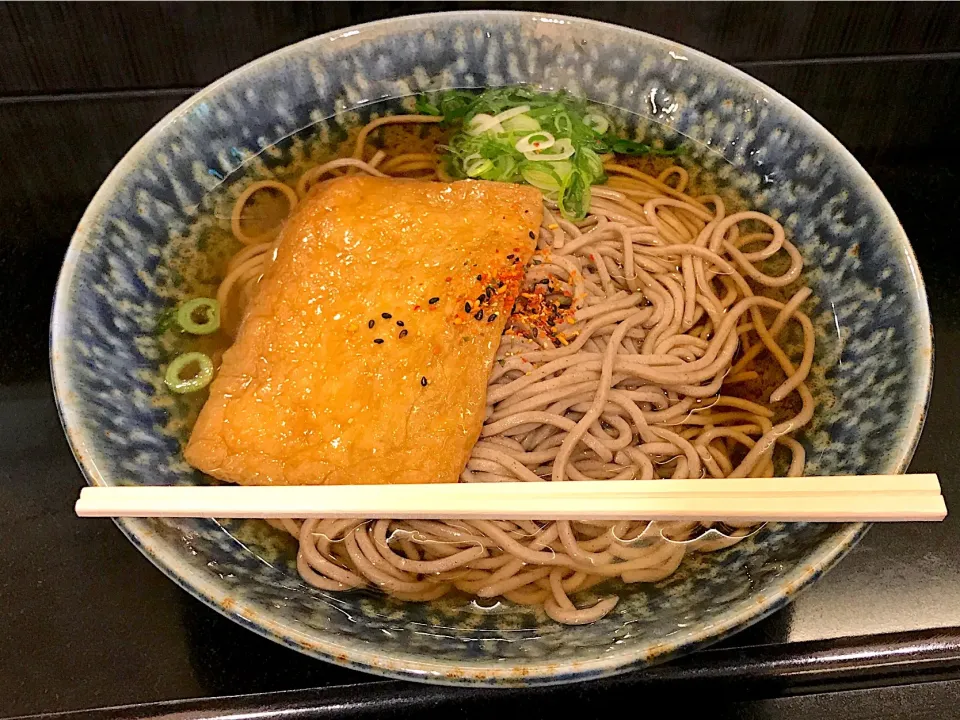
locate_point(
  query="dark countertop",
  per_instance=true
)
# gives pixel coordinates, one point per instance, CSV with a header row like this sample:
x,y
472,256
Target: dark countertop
x,y
87,622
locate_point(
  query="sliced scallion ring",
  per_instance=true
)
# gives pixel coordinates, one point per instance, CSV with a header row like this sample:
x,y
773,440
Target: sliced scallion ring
x,y
512,112
563,148
562,168
504,169
175,379
535,142
590,163
541,176
574,197
563,123
476,165
200,316
482,122
596,122
521,124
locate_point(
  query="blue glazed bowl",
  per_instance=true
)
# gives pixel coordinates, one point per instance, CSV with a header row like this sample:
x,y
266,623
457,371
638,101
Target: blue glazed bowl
x,y
872,376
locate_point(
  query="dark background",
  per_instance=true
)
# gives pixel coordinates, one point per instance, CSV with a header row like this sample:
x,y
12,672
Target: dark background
x,y
85,621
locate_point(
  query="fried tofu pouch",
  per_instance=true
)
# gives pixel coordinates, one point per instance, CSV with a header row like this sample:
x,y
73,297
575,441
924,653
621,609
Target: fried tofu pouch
x,y
365,355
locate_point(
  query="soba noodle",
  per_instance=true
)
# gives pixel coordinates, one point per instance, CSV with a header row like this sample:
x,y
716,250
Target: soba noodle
x,y
651,317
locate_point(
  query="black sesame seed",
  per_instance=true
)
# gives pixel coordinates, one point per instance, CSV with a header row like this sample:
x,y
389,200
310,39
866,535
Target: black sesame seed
x,y
386,316
434,300
466,307
481,298
479,278
491,318
532,235
399,323
371,323
510,256
423,381
403,333
479,314
379,341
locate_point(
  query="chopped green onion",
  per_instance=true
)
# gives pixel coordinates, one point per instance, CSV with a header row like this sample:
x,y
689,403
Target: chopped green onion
x,y
574,197
425,107
501,134
476,165
208,311
542,176
596,122
563,123
535,142
521,123
511,113
504,169
197,381
563,148
590,164
455,104
562,168
483,123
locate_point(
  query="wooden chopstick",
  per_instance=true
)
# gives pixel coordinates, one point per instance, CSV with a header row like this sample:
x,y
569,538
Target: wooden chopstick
x,y
873,498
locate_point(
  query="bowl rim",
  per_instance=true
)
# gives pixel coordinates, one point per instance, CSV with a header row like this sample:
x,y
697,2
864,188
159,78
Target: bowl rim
x,y
416,667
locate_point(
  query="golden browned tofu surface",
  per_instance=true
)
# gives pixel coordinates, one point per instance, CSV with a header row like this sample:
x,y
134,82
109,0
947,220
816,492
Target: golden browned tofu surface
x,y
364,357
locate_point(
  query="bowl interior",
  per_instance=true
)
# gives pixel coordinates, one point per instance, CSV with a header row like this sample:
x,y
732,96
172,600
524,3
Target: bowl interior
x,y
871,377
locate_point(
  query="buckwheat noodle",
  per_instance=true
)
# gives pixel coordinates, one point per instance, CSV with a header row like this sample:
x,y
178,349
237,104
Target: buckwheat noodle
x,y
616,364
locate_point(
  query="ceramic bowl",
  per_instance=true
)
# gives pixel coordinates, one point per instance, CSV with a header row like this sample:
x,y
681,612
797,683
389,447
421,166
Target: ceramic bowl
x,y
872,375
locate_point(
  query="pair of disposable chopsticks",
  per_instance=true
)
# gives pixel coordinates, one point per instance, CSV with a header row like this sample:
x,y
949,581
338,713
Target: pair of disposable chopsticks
x,y
817,499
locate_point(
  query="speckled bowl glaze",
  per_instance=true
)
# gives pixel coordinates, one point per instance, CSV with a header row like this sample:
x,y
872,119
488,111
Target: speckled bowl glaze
x,y
873,364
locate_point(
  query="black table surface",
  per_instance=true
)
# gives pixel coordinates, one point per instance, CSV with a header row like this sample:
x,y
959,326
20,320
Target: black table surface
x,y
86,622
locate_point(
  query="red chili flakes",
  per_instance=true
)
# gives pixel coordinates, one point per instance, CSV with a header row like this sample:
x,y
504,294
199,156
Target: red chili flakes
x,y
490,294
545,310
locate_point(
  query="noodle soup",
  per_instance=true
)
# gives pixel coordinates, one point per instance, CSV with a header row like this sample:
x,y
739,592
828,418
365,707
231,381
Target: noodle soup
x,y
662,334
